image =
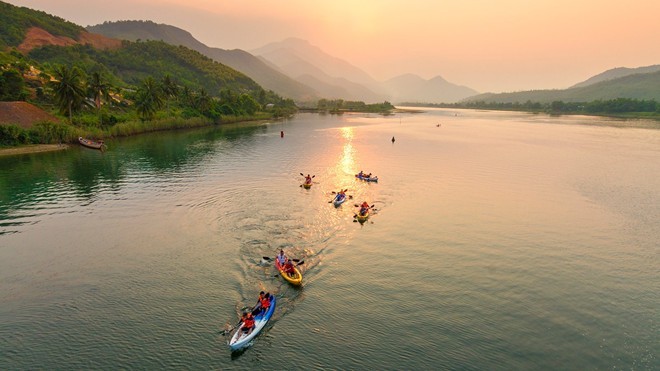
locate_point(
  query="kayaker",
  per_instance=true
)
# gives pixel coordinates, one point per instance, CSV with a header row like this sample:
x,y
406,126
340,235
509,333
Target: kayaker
x,y
281,258
360,174
257,306
364,208
289,268
264,302
248,322
308,179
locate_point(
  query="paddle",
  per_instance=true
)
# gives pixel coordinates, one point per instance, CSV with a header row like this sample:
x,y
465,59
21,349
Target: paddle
x,y
230,329
268,258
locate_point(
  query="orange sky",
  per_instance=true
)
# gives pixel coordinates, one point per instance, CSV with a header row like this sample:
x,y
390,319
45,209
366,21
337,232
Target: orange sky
x,y
488,45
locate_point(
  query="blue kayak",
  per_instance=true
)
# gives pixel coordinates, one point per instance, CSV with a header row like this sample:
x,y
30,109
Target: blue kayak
x,y
367,178
339,199
240,339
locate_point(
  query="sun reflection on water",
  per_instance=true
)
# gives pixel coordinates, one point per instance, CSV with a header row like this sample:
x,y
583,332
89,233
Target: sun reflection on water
x,y
347,161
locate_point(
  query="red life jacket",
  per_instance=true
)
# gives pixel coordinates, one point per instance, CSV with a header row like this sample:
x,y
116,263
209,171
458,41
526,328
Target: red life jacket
x,y
265,302
248,322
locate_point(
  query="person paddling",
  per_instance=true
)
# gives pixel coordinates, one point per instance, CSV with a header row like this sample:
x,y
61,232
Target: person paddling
x,y
308,179
364,208
263,303
289,268
248,322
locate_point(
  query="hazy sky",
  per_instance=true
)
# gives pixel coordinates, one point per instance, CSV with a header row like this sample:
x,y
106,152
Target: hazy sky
x,y
488,45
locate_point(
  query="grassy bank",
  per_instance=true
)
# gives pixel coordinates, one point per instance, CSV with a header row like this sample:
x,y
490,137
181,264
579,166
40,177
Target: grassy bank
x,y
49,136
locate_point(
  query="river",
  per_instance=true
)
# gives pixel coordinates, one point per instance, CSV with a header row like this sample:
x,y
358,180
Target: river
x,y
499,240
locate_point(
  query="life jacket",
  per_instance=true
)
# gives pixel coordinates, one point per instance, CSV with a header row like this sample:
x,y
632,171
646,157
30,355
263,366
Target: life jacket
x,y
289,268
248,322
363,211
281,259
265,302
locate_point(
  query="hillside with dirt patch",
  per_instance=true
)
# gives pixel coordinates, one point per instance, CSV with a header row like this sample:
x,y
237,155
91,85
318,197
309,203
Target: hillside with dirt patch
x,y
23,114
37,37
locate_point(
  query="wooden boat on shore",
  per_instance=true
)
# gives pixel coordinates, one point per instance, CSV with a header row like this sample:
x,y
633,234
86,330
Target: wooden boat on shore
x,y
91,144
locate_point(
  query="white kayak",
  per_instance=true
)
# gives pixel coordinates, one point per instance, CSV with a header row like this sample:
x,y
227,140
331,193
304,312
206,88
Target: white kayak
x,y
240,339
339,199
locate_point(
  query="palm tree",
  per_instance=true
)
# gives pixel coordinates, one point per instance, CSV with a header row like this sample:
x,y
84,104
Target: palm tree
x,y
99,89
170,89
69,89
149,99
203,101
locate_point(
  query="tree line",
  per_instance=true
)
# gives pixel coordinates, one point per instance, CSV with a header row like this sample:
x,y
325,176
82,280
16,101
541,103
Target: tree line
x,y
611,106
340,105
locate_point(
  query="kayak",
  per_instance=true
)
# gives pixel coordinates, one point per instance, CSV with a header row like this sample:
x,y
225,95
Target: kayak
x,y
339,199
240,339
307,185
362,218
296,280
367,179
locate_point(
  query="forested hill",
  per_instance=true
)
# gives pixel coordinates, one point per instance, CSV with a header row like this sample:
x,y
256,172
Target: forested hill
x,y
637,86
240,60
59,42
16,21
134,62
615,73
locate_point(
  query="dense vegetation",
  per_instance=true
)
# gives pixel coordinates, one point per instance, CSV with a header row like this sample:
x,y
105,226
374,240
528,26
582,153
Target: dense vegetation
x,y
16,21
111,93
340,105
137,61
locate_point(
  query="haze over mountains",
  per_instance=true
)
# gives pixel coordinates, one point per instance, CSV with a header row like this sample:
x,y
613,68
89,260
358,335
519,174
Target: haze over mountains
x,y
294,68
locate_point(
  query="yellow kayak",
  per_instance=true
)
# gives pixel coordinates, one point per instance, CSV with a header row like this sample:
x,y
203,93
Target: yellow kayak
x,y
362,218
295,280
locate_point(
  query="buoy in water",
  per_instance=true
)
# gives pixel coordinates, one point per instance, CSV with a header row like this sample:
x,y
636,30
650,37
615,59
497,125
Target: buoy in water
x,y
392,139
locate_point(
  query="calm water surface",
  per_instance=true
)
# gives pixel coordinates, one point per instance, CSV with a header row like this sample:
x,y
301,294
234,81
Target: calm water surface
x,y
501,241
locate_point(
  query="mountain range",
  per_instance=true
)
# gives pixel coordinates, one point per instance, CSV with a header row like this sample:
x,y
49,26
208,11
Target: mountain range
x,y
237,59
296,69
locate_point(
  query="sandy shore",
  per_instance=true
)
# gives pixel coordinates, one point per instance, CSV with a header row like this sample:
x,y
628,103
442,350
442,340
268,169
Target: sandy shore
x,y
34,148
